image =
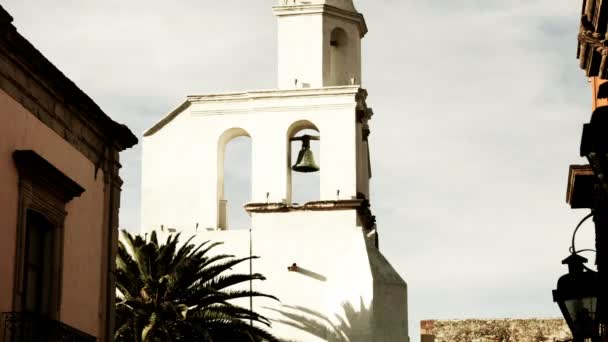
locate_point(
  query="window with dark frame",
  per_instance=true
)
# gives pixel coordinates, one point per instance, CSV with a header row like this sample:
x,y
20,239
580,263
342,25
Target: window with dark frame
x,y
37,283
44,192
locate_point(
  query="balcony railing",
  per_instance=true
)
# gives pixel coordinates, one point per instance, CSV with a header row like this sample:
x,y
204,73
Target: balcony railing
x,y
29,327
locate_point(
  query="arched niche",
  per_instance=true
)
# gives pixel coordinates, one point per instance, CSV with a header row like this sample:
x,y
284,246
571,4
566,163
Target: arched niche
x,y
224,209
302,187
338,57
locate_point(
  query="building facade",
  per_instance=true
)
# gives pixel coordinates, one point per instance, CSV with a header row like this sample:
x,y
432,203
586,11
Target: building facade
x,y
320,256
587,184
59,200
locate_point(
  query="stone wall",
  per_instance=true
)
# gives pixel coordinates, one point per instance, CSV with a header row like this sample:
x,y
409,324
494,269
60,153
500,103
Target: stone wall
x,y
490,330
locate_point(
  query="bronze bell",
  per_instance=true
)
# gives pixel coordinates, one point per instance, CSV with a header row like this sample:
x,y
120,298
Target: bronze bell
x,y
306,160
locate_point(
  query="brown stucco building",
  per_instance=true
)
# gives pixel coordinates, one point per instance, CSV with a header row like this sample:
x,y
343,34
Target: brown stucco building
x,y
59,199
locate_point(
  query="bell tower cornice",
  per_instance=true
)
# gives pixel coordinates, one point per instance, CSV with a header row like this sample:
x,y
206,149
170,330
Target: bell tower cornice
x,y
312,9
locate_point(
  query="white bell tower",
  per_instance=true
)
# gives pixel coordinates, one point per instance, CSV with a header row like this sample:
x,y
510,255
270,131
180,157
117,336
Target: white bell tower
x,y
316,255
319,43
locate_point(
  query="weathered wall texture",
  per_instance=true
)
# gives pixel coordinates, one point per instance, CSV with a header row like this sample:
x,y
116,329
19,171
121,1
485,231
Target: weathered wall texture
x,y
503,330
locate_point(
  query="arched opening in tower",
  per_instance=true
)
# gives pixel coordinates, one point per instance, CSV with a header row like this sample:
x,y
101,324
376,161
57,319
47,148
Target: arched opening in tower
x,y
338,66
234,178
304,186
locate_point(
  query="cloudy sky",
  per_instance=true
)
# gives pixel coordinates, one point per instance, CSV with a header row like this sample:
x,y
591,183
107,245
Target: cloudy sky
x,y
479,106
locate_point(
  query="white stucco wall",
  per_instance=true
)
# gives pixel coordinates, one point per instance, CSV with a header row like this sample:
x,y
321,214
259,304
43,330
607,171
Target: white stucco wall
x,y
339,262
180,178
305,52
328,243
300,51
181,189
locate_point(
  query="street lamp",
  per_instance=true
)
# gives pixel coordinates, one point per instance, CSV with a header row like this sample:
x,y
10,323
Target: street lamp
x,y
577,297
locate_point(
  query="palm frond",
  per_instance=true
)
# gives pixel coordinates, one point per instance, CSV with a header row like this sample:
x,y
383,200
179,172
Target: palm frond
x,y
169,291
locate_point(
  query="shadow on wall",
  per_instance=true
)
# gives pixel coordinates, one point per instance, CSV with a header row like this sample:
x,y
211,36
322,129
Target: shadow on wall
x,y
354,326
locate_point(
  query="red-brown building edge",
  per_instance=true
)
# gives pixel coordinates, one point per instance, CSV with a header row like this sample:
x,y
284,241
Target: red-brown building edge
x,y
59,175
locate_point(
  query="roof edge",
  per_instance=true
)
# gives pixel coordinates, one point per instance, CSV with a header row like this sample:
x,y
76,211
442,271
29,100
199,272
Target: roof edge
x,y
59,84
357,91
167,118
288,10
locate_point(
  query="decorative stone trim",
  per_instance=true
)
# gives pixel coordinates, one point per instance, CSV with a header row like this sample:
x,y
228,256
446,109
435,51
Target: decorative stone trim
x,y
280,93
581,180
596,47
365,131
42,173
46,190
593,39
287,10
362,206
310,206
246,102
302,108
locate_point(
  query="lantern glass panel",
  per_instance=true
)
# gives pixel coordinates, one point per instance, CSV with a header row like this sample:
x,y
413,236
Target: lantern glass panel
x,y
582,312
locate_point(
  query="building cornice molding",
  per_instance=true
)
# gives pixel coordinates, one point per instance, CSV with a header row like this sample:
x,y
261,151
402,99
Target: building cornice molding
x,y
34,82
39,171
251,101
314,9
280,93
167,118
361,205
596,46
303,108
592,49
33,67
310,206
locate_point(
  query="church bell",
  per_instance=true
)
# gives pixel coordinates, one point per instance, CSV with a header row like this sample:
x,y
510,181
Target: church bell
x,y
306,160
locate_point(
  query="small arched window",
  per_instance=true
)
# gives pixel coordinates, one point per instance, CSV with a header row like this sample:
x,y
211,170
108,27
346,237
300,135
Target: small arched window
x,y
339,61
338,38
234,179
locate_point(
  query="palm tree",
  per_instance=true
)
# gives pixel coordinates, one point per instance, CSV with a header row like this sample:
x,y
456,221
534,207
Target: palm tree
x,y
168,292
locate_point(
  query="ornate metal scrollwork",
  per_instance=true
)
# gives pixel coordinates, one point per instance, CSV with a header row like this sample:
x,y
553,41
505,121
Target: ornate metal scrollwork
x,y
30,327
